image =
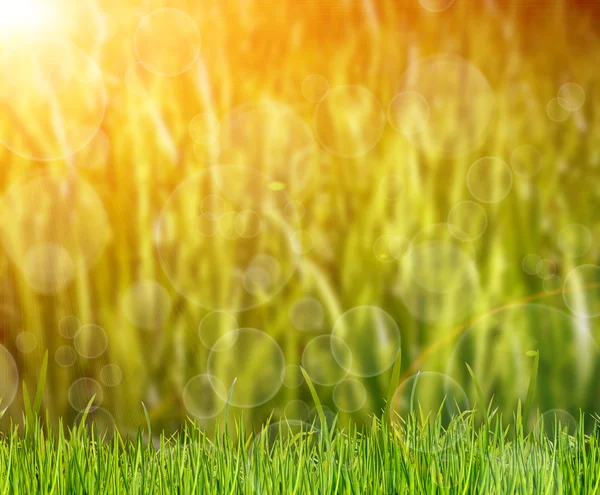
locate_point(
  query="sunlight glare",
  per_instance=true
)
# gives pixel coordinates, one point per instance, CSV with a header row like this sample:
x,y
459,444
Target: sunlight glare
x,y
23,16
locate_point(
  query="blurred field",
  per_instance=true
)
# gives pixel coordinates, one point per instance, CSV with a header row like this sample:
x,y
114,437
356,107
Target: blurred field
x,y
454,298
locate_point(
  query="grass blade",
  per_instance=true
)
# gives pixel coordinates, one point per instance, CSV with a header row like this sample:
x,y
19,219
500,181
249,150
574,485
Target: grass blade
x,y
532,384
317,402
479,394
229,401
29,417
147,422
393,385
39,393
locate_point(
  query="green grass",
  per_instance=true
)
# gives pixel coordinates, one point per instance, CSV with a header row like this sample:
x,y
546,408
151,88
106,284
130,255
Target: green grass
x,y
344,211
420,452
256,53
291,457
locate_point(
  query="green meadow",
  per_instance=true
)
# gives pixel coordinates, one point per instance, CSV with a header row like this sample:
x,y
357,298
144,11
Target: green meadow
x,y
328,247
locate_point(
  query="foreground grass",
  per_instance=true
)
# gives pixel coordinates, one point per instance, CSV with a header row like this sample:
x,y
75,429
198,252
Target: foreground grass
x,y
291,457
420,452
265,51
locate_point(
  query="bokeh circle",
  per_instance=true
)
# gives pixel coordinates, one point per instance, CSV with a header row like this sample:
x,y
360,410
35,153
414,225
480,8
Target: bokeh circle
x,y
530,263
204,127
257,362
552,285
90,341
467,221
571,96
111,375
451,86
65,356
440,266
10,378
436,5
349,121
372,337
215,325
52,250
408,113
315,88
101,420
146,304
296,410
68,326
167,42
325,359
203,396
307,314
558,109
26,342
489,179
545,269
556,422
349,395
438,280
575,240
293,377
81,393
391,248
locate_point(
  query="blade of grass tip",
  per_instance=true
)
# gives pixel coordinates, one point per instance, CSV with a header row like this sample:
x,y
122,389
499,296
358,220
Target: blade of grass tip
x,y
393,386
87,410
490,413
479,394
318,405
28,411
39,393
412,392
229,402
147,422
532,383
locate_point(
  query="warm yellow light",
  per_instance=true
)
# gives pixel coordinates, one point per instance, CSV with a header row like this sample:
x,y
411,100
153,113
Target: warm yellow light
x,y
23,16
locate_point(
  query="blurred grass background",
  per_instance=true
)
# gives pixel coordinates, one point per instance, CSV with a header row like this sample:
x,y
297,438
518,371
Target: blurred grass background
x,y
256,50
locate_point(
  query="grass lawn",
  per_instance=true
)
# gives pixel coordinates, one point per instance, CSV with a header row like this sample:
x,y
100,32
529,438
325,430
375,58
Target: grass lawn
x,y
224,225
294,457
422,452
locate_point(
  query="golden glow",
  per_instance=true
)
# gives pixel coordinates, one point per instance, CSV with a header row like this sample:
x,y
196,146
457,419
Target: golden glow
x,y
23,16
